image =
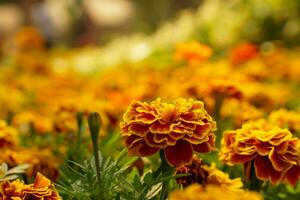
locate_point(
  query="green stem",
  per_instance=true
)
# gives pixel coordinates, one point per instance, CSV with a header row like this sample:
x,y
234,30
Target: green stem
x,y
94,121
80,126
254,183
165,167
217,115
9,117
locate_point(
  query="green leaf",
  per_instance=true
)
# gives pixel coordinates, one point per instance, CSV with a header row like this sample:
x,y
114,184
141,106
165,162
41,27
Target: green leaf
x,y
148,178
137,183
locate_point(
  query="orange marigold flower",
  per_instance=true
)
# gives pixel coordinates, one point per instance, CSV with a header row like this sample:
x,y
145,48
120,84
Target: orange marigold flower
x,y
243,53
193,52
40,123
178,128
206,175
241,112
274,152
284,118
212,192
41,189
197,173
8,136
220,178
65,119
40,160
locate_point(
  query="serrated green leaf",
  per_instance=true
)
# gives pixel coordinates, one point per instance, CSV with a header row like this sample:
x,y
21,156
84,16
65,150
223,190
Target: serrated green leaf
x,y
9,178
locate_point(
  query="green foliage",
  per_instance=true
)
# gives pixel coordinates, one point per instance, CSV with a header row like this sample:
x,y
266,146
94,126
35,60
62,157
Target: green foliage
x,y
281,191
117,180
11,174
79,181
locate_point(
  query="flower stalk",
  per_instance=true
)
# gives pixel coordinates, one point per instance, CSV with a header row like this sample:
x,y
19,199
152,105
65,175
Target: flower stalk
x,y
94,122
254,183
164,167
217,115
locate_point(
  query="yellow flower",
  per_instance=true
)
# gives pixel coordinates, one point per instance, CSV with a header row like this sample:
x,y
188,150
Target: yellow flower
x,y
179,128
240,112
274,152
41,123
8,136
212,192
41,189
266,96
65,119
286,119
220,178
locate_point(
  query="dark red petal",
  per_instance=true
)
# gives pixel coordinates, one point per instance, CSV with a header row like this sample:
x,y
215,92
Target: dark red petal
x,y
146,118
138,129
207,146
265,171
181,153
150,141
146,150
292,175
131,140
277,162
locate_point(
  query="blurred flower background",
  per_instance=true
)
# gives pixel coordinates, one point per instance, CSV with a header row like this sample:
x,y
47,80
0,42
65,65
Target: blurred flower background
x,y
140,99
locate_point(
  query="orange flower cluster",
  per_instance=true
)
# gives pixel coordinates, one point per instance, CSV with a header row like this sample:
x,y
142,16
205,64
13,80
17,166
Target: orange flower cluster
x,y
274,152
192,52
197,192
41,189
40,160
179,128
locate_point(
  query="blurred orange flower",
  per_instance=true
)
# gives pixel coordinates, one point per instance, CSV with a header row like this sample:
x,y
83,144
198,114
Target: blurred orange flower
x,y
41,189
273,151
8,136
29,38
192,52
286,119
243,52
178,128
40,160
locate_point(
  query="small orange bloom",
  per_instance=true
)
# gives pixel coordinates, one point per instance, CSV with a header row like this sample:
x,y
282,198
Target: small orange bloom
x,y
178,128
243,53
41,189
197,173
192,52
206,175
274,152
